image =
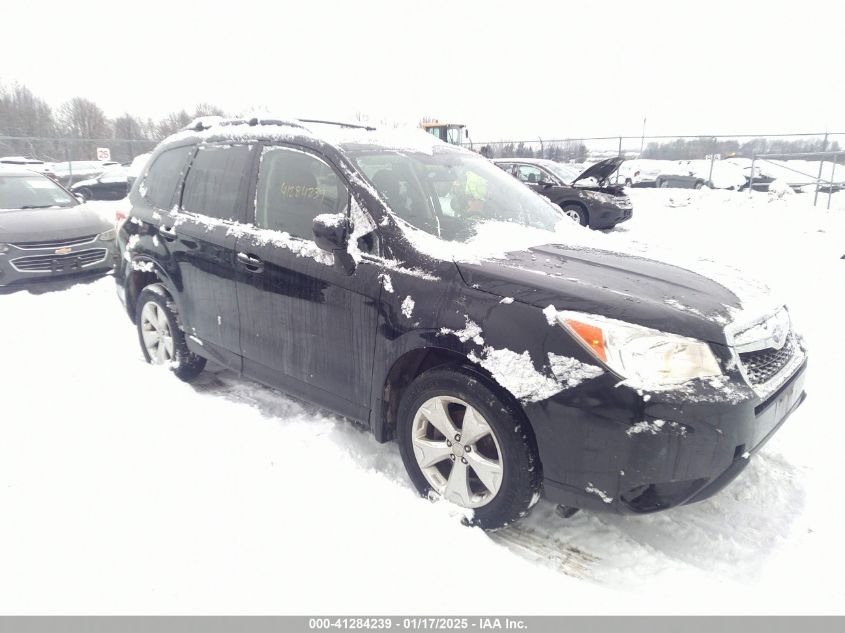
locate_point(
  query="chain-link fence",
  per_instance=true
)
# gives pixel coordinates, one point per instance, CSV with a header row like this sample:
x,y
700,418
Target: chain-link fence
x,y
804,161
684,147
70,160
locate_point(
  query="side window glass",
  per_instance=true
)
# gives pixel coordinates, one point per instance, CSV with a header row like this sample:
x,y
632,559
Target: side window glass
x,y
530,174
293,188
164,175
217,182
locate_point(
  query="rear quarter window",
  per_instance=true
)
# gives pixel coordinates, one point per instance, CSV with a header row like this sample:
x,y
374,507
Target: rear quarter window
x,y
217,182
164,175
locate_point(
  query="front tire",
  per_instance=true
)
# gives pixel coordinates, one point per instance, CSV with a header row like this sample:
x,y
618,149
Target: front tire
x,y
576,213
161,337
461,440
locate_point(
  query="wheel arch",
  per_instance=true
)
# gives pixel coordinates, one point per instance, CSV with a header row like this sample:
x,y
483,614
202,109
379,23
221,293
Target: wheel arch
x,y
138,279
413,363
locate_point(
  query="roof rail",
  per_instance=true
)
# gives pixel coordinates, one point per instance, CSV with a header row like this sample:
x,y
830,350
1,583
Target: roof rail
x,y
205,123
339,124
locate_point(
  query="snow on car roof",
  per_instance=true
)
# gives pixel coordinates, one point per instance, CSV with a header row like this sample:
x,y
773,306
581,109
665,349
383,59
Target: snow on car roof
x,y
343,135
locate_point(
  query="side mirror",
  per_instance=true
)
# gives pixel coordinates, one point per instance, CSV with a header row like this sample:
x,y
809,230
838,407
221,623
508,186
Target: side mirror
x,y
80,198
547,184
331,234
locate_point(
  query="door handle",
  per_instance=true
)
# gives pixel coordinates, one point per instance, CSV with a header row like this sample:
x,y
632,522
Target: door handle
x,y
167,233
252,264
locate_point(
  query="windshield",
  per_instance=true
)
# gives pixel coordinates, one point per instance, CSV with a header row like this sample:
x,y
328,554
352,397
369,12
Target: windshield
x,y
32,192
566,174
449,193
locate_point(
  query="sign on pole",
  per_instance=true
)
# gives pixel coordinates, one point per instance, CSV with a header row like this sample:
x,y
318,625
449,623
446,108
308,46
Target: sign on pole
x,y
103,153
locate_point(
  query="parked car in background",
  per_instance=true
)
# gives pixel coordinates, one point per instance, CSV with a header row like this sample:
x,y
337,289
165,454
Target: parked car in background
x,y
46,233
639,172
112,184
695,174
71,172
587,197
679,181
33,164
136,167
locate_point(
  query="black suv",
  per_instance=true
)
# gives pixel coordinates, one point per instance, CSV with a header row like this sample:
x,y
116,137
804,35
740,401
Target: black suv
x,y
598,204
418,289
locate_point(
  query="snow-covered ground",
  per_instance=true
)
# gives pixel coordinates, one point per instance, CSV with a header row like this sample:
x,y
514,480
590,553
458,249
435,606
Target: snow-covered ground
x,y
125,491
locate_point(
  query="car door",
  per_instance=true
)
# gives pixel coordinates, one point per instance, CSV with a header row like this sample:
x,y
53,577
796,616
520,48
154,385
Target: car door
x,y
201,239
112,186
307,326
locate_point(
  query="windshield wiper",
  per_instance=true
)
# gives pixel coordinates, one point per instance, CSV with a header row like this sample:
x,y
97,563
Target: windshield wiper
x,y
38,206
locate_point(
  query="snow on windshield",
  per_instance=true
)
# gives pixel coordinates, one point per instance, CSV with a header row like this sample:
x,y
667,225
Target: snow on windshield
x,y
454,204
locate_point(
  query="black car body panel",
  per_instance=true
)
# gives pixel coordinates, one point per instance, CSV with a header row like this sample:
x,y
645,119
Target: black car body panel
x,y
605,204
351,340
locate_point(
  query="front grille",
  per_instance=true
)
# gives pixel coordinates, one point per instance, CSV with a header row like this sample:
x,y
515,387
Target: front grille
x,y
762,365
49,263
72,241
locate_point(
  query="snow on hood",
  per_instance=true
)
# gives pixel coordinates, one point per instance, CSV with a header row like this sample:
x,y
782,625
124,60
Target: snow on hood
x,y
24,225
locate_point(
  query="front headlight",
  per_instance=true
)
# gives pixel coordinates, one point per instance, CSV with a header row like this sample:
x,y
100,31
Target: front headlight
x,y
645,358
600,196
107,236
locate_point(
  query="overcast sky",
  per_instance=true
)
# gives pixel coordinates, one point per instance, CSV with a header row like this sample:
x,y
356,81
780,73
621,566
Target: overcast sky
x,y
505,69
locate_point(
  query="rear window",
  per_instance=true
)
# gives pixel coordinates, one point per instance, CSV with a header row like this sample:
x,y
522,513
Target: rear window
x,y
163,176
217,182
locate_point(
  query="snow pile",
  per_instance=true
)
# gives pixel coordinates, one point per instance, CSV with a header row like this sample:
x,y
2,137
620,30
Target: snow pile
x,y
780,189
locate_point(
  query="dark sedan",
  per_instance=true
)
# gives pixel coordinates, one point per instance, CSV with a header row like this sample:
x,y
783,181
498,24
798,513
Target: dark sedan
x,y
45,232
586,197
112,184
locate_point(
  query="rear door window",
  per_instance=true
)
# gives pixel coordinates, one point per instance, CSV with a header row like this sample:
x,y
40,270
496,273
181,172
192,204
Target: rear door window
x,y
530,174
217,182
293,188
164,175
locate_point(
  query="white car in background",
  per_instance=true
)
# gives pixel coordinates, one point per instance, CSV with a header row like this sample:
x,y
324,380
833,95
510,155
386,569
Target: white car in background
x,y
640,171
136,167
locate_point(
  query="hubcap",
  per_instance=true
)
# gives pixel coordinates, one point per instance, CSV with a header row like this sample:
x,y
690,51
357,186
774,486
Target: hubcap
x,y
572,214
457,451
155,330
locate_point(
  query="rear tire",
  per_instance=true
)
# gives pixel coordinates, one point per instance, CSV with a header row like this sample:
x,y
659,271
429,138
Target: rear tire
x,y
161,336
576,212
492,468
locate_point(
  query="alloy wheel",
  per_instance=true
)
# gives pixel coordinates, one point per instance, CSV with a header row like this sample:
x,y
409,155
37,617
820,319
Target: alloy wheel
x,y
572,214
156,333
457,451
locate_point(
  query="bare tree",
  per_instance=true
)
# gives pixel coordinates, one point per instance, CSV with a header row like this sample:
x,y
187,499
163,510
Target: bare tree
x,y
22,114
173,122
207,109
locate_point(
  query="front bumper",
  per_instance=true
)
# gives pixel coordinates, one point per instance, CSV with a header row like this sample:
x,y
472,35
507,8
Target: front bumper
x,y
609,450
22,266
606,216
